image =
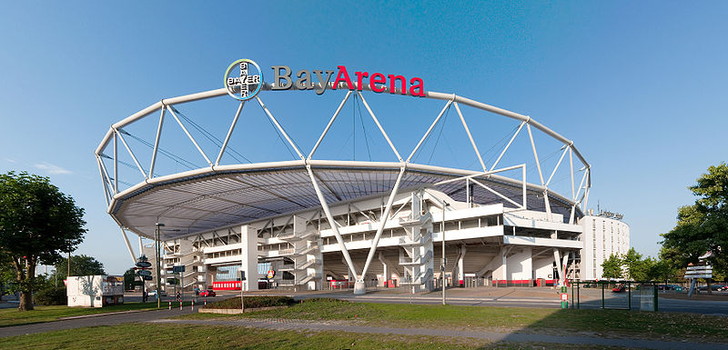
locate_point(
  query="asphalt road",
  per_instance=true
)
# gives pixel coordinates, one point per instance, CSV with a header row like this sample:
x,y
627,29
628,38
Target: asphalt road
x,y
717,308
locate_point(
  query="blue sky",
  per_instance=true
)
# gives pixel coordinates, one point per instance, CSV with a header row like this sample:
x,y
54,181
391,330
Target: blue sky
x,y
639,86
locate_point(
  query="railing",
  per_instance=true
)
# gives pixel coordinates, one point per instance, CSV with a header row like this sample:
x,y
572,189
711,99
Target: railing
x,y
417,261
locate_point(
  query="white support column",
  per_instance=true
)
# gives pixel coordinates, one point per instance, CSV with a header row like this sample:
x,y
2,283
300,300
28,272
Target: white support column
x,y
381,129
564,267
249,252
461,265
508,145
470,136
332,222
385,267
116,163
156,144
557,260
141,246
359,286
229,133
128,246
131,153
504,263
427,133
192,139
328,126
279,127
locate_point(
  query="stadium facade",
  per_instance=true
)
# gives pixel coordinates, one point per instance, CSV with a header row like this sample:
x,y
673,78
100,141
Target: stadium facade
x,y
310,223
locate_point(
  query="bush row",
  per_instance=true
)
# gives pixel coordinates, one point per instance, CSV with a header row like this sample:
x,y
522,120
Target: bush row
x,y
252,302
50,296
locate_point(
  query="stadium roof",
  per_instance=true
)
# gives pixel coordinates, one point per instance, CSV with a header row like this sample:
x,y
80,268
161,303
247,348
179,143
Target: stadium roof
x,y
211,198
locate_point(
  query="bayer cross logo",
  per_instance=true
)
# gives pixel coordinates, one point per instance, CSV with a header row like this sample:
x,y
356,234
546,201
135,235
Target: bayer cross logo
x,y
243,79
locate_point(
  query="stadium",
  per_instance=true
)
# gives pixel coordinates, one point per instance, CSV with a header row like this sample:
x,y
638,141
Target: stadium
x,y
365,186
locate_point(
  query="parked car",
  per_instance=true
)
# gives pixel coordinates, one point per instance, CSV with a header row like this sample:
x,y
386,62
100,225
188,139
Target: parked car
x,y
153,293
208,293
713,287
620,288
674,287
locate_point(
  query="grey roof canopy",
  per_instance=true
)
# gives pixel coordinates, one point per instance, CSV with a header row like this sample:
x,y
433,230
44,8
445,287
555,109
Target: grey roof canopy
x,y
203,201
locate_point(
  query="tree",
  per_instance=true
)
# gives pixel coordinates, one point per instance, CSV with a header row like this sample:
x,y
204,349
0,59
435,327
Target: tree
x,y
130,277
37,224
612,267
660,270
703,226
636,267
81,265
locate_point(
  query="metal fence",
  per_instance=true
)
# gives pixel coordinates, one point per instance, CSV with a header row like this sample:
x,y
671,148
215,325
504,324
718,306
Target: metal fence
x,y
615,295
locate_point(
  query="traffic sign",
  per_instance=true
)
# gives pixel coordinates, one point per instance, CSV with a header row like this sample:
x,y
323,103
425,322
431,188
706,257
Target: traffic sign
x,y
144,273
143,264
705,271
146,278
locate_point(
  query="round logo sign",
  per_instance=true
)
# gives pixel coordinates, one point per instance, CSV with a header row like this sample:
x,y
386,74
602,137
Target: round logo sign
x,y
243,79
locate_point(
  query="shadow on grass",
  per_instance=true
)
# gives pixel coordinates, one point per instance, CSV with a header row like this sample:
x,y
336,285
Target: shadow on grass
x,y
615,320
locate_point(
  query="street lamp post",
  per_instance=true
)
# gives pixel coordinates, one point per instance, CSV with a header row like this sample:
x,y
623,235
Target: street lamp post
x,y
444,261
159,266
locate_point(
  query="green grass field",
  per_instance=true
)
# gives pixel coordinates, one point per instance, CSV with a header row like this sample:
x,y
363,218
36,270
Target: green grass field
x,y
610,323
617,322
155,336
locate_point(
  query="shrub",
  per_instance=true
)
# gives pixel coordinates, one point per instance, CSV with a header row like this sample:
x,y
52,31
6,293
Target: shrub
x,y
324,300
51,296
252,302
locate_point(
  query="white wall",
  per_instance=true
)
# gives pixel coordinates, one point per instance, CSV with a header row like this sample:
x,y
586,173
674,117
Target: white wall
x,y
602,237
519,264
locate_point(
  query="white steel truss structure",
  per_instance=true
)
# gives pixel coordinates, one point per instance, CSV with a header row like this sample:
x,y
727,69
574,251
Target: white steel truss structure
x,y
220,195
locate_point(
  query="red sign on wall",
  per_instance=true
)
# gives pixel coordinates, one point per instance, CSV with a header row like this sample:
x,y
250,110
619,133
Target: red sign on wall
x,y
226,285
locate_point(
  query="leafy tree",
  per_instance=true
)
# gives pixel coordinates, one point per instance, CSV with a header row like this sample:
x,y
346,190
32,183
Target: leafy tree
x,y
129,279
37,224
81,265
637,268
7,275
612,267
703,226
660,270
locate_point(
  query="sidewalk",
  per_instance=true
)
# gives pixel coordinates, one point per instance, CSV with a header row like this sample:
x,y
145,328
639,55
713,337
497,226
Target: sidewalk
x,y
506,337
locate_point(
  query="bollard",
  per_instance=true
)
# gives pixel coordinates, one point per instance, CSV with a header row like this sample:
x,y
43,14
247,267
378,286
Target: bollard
x,y
193,305
180,305
170,305
205,301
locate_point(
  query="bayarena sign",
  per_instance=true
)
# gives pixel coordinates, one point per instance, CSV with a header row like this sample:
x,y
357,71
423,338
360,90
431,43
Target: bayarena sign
x,y
247,84
199,171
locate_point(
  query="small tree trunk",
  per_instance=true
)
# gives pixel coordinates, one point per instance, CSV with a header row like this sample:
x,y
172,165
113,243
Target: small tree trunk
x,y
27,285
26,301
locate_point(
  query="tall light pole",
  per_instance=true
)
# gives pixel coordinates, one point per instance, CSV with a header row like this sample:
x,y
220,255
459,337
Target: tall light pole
x,y
159,265
444,261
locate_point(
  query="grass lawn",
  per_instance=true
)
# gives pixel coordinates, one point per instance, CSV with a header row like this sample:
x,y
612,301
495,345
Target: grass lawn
x,y
13,317
156,336
612,322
